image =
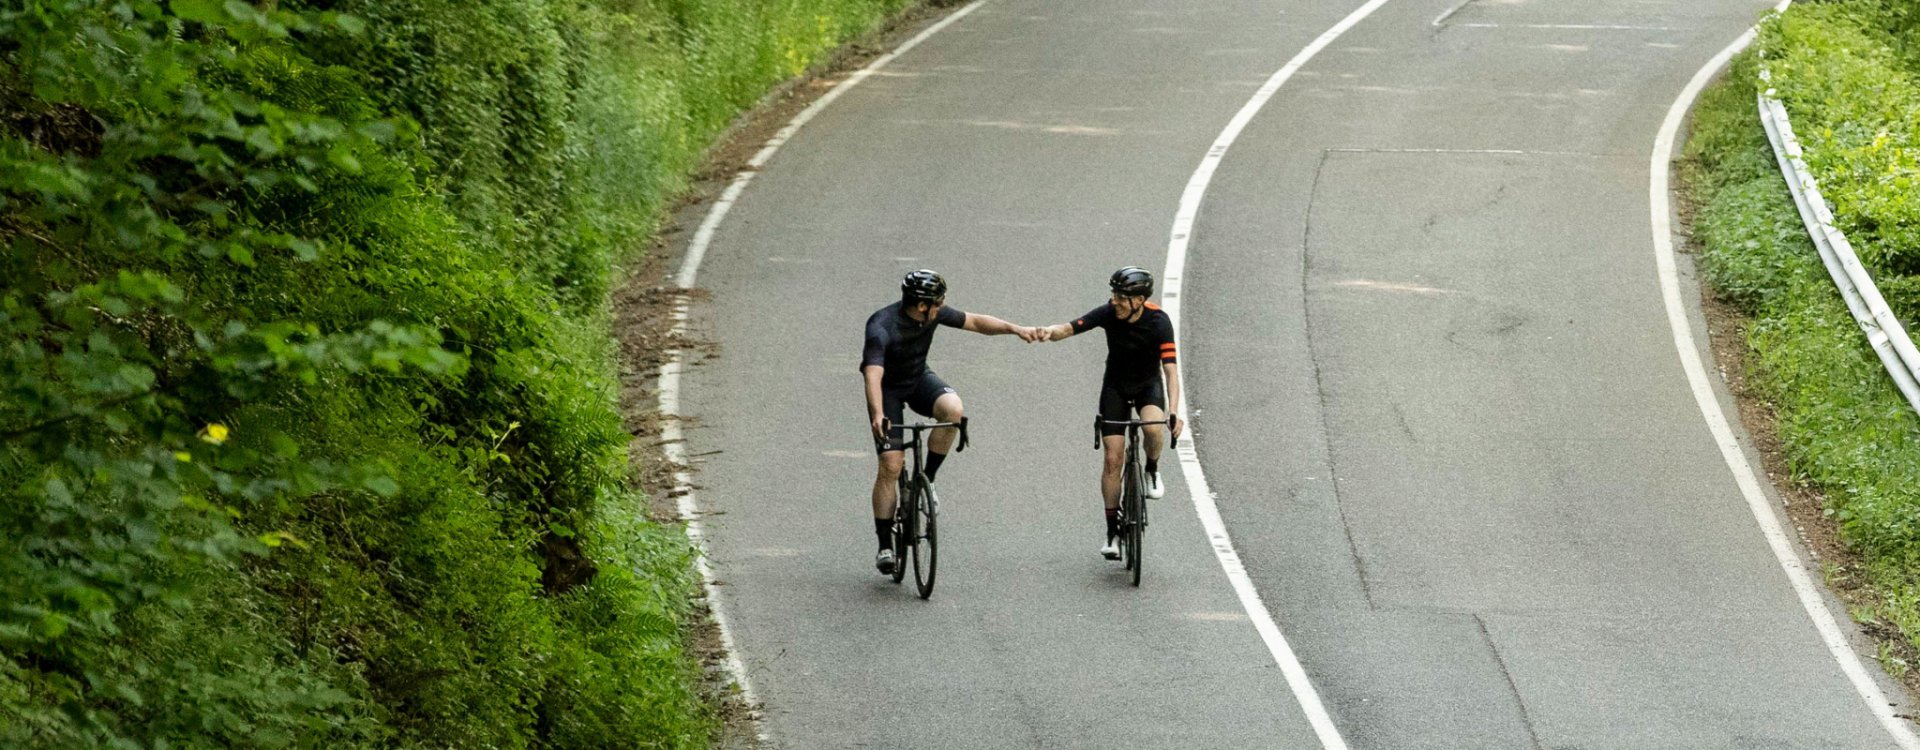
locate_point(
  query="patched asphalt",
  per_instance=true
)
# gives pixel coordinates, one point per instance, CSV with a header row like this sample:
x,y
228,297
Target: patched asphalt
x,y
1440,405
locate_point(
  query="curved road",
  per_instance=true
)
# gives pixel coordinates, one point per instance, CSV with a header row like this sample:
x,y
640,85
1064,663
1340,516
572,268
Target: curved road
x,y
1439,401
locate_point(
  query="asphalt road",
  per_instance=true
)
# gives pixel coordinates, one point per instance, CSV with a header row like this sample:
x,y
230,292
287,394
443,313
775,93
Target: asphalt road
x,y
1439,401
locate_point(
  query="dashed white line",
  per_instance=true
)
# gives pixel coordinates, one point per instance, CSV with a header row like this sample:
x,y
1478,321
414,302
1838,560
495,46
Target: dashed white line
x,y
669,377
1203,499
1744,474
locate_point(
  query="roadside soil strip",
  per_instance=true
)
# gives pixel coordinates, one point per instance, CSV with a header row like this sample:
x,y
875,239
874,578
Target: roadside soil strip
x,y
1834,636
650,312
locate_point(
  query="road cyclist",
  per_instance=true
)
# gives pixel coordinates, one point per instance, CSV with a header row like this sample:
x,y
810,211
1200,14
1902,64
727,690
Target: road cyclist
x,y
893,368
1142,376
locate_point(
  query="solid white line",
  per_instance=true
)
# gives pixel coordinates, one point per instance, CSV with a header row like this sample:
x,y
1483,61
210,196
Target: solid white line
x,y
1203,499
1744,474
697,251
671,435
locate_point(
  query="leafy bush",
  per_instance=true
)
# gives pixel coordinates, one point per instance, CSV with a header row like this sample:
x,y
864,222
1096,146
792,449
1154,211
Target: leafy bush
x,y
1856,109
309,436
1845,428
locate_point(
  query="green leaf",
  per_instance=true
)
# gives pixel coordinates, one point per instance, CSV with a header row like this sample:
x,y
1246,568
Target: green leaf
x,y
211,12
382,486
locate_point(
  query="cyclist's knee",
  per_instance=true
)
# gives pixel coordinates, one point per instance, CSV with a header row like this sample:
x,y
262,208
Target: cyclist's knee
x,y
890,465
948,408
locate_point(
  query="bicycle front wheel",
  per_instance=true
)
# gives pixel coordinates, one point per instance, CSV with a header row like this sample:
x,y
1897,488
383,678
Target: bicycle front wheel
x,y
903,529
1133,508
926,540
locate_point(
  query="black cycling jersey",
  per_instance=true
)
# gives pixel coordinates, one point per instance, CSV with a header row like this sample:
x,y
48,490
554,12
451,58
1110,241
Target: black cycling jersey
x,y
1136,350
899,345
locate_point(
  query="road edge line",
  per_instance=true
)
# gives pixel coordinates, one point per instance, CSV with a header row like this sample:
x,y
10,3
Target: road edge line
x,y
1659,193
672,436
1204,504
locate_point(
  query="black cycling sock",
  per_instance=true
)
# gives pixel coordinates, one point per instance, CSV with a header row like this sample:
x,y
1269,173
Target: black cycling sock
x,y
883,528
1153,466
933,463
1113,522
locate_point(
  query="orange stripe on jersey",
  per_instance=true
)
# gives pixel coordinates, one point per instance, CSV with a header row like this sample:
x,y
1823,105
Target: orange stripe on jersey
x,y
1151,306
1166,346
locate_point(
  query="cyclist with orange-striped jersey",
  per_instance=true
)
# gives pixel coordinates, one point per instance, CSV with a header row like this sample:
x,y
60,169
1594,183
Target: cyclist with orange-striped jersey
x,y
1141,375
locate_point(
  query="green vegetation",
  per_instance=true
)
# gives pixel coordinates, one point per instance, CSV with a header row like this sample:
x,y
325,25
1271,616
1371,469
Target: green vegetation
x,y
309,436
1848,73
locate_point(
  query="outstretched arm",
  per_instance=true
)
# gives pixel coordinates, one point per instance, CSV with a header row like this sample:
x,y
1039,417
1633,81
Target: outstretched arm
x,y
1056,332
992,326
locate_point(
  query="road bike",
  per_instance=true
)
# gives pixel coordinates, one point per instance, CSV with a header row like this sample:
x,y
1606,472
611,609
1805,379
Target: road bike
x,y
916,515
1133,491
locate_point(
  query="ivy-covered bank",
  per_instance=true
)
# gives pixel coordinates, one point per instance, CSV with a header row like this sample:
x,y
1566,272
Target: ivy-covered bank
x,y
308,434
1849,74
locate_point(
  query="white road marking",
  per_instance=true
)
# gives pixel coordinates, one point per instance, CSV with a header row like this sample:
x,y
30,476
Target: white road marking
x,y
1392,286
1203,499
1744,474
669,378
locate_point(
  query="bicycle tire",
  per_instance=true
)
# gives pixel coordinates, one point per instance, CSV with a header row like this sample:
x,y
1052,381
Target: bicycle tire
x,y
1129,486
902,525
1136,513
926,541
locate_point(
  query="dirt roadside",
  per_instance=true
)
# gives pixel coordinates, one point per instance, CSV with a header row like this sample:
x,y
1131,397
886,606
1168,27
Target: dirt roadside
x,y
1727,331
643,305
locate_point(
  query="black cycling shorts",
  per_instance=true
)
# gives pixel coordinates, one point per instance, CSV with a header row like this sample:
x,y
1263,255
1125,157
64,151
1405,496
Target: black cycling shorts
x,y
1118,402
919,394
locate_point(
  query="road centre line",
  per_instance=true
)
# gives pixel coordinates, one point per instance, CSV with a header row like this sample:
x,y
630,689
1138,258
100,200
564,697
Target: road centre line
x,y
1744,474
671,434
1203,498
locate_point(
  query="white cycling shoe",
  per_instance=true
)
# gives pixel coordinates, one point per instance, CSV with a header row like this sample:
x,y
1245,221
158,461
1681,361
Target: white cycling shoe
x,y
884,561
1155,489
1112,549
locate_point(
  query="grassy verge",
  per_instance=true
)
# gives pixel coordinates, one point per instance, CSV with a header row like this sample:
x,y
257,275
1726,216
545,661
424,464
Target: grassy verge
x,y
309,434
1845,431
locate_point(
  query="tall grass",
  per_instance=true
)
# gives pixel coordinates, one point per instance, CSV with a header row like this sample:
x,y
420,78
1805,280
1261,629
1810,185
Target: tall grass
x,y
309,435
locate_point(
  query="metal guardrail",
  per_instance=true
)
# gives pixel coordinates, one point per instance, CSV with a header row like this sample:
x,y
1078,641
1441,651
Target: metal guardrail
x,y
1884,331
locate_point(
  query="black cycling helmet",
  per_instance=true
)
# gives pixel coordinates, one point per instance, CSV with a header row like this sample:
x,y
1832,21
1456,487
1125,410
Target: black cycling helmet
x,y
1132,281
923,286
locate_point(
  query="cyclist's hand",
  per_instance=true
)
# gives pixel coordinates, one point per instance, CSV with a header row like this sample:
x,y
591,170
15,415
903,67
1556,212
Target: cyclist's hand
x,y
1177,425
1030,334
880,429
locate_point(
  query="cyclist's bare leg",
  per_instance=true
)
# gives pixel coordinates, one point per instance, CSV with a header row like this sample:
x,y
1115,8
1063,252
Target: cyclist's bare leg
x,y
886,490
1116,457
947,408
1156,433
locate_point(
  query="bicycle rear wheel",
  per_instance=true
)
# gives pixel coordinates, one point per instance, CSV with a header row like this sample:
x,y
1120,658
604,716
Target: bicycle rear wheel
x,y
902,529
926,539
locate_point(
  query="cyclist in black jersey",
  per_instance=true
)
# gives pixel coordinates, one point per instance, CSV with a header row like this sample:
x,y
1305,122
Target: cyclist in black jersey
x,y
1140,355
894,368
